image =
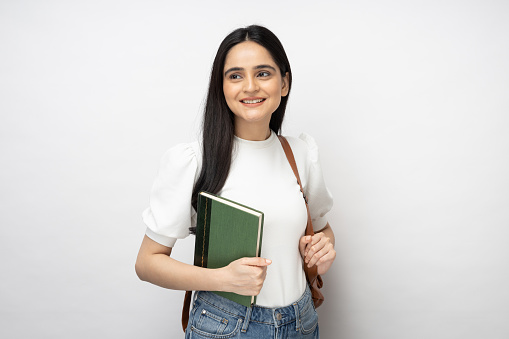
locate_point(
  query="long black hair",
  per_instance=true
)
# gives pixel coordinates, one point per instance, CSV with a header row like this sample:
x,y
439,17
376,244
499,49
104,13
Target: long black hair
x,y
218,119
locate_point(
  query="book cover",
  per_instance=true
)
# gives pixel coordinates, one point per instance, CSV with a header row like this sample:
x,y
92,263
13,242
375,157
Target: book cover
x,y
226,231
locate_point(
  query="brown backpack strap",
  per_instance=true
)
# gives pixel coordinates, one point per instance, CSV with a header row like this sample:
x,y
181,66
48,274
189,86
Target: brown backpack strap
x,y
185,310
293,164
314,280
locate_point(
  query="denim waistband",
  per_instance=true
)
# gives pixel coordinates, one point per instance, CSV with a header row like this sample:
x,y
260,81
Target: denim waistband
x,y
277,316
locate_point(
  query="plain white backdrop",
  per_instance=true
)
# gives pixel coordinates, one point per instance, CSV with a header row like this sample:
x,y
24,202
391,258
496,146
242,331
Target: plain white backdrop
x,y
408,101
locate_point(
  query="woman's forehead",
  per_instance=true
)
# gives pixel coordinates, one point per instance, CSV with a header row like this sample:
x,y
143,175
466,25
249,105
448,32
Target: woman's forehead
x,y
248,54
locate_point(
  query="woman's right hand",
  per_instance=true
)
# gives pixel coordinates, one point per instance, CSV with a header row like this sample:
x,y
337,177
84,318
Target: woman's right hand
x,y
245,276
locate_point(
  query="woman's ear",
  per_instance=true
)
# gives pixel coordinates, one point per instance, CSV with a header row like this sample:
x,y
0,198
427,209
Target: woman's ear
x,y
286,85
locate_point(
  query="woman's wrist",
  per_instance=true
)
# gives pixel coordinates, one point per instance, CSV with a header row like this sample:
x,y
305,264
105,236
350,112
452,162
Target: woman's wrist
x,y
216,279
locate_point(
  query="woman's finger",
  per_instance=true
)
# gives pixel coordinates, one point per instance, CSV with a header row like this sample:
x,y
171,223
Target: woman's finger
x,y
321,255
303,242
316,247
255,261
328,257
314,239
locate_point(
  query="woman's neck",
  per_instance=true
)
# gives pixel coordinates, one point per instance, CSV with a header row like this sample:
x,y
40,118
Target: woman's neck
x,y
252,132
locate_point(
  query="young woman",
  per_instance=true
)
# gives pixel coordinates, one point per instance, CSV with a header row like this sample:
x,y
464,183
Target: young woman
x,y
241,159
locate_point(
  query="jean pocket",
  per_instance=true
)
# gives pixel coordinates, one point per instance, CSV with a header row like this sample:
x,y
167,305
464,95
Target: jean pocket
x,y
211,322
308,319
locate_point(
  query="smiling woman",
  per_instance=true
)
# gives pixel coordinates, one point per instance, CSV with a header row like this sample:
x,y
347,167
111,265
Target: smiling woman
x,y
241,159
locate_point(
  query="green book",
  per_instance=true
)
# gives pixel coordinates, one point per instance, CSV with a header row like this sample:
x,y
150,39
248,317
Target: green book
x,y
226,231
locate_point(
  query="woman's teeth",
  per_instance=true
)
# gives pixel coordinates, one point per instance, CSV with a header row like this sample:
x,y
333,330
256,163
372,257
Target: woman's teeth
x,y
252,101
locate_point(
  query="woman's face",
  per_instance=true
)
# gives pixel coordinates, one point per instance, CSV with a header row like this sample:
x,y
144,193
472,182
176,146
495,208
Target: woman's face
x,y
252,86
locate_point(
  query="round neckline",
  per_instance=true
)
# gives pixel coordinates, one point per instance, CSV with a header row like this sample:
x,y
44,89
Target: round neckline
x,y
256,144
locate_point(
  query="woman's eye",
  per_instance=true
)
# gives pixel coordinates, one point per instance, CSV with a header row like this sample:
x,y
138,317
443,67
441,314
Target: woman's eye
x,y
264,74
234,76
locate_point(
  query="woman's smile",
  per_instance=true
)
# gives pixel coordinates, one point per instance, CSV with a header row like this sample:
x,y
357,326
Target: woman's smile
x,y
252,102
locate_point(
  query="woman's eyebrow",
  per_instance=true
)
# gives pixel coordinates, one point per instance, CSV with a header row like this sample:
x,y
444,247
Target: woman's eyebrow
x,y
264,66
235,69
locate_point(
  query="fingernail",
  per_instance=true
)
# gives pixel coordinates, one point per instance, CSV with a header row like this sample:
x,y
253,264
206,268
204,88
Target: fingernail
x,y
268,261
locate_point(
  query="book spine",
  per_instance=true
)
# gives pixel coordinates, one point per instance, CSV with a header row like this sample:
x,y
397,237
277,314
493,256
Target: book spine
x,y
201,248
259,249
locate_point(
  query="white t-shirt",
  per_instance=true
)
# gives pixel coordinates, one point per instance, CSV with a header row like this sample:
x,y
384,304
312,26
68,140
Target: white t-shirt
x,y
260,177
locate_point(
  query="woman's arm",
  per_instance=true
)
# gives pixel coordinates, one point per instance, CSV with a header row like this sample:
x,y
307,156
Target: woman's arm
x,y
319,249
243,276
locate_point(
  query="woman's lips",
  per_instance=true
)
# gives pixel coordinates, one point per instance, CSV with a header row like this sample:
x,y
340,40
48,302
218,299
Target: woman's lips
x,y
252,102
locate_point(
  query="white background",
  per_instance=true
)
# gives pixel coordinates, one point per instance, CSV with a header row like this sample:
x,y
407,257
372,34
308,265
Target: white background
x,y
408,101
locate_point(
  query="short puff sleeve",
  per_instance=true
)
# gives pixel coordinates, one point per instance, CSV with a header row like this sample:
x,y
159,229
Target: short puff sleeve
x,y
319,197
170,213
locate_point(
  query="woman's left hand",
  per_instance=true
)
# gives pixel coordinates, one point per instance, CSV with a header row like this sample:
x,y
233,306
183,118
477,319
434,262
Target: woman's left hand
x,y
318,250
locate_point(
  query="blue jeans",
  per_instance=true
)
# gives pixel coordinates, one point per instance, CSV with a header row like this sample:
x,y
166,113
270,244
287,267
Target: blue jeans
x,y
213,316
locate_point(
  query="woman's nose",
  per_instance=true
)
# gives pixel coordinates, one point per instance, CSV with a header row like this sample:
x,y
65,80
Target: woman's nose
x,y
250,84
